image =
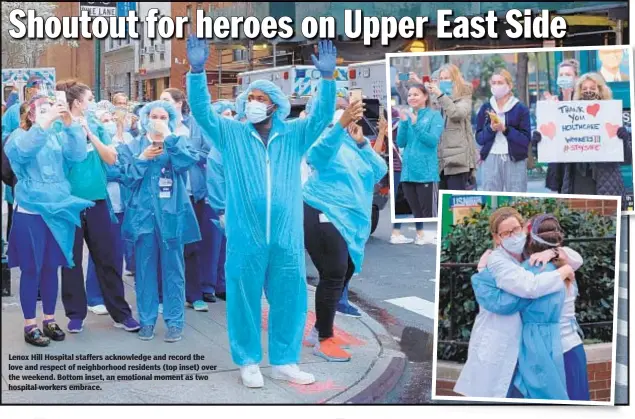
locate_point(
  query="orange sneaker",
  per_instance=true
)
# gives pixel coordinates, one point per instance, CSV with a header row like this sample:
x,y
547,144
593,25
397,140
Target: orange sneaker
x,y
329,350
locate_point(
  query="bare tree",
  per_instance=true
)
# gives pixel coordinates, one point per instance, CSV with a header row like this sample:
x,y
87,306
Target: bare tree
x,y
26,52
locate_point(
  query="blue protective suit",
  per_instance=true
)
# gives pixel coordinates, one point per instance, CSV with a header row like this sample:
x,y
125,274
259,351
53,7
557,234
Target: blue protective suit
x,y
264,217
420,160
540,373
40,159
10,122
197,172
160,221
342,185
215,171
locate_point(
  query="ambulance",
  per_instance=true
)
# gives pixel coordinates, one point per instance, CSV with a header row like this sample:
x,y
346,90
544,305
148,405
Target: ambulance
x,y
16,78
295,81
370,76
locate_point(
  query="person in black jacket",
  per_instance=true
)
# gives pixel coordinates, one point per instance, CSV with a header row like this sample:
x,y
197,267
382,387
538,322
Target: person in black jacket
x,y
503,131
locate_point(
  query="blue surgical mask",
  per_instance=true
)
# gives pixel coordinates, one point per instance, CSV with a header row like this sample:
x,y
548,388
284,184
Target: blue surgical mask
x,y
91,106
446,87
515,244
256,111
111,128
565,82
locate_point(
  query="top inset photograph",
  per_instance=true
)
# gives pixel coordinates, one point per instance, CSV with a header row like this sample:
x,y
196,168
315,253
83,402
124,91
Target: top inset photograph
x,y
549,120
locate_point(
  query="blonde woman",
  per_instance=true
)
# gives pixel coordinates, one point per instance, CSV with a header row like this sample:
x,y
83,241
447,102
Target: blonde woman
x,y
457,151
596,178
503,131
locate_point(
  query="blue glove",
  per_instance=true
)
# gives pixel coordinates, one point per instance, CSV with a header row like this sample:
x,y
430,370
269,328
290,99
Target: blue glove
x,y
327,61
197,53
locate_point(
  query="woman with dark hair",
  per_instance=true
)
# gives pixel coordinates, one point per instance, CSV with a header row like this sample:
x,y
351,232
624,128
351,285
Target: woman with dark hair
x,y
89,181
419,133
197,192
40,151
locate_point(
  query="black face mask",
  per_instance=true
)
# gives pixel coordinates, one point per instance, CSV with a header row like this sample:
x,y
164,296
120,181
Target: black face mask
x,y
590,96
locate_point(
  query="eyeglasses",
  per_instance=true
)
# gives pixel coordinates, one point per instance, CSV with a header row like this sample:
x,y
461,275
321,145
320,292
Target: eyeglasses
x,y
513,232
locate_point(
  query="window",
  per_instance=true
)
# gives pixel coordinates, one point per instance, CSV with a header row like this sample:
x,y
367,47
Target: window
x,y
142,35
151,58
166,82
141,60
188,12
240,55
209,10
111,41
162,57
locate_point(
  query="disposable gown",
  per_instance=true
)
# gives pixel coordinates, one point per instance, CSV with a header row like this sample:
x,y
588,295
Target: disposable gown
x,y
40,159
540,373
264,218
10,122
160,220
342,184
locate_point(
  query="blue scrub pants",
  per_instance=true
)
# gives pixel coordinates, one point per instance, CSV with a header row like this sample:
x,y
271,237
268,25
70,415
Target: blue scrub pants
x,y
575,368
93,292
96,230
282,273
212,243
156,258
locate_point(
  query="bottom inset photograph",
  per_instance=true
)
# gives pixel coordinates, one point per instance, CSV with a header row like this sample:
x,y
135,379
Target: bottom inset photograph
x,y
526,298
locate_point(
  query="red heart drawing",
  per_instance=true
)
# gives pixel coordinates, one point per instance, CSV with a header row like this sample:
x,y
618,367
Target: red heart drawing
x,y
611,129
593,109
548,130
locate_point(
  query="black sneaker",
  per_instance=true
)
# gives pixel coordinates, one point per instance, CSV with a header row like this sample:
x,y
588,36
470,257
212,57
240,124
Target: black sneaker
x,y
221,295
53,331
209,297
35,337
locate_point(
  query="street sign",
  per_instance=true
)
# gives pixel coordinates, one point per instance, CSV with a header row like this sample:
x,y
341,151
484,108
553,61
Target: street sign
x,y
99,8
123,7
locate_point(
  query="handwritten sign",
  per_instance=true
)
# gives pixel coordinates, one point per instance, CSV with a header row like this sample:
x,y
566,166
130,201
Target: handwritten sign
x,y
579,131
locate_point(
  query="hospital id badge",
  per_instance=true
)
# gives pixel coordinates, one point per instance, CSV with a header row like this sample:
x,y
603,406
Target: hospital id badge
x,y
323,219
165,188
90,147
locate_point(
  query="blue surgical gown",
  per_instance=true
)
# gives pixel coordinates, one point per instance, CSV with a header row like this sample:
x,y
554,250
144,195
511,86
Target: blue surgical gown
x,y
342,185
264,220
40,159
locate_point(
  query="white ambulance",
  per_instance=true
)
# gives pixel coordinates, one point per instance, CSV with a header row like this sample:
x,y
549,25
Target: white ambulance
x,y
16,78
370,76
294,80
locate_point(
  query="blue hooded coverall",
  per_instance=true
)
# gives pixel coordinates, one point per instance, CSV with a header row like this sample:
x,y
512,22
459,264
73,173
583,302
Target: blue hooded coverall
x,y
10,122
540,373
160,221
264,218
342,184
40,159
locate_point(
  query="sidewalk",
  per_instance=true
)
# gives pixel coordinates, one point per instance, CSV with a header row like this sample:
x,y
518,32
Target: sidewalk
x,y
373,371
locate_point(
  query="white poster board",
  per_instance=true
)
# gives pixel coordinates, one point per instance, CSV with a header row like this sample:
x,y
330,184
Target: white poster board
x,y
579,131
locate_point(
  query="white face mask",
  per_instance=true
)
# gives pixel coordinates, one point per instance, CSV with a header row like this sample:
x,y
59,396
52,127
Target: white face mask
x,y
500,90
256,111
515,244
111,128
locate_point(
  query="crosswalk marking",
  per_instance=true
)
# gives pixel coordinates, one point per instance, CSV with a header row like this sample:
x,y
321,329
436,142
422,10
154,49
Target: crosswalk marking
x,y
621,375
415,304
624,267
623,293
622,327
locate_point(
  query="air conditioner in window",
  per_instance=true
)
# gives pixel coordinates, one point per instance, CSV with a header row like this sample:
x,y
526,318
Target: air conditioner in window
x,y
150,49
159,48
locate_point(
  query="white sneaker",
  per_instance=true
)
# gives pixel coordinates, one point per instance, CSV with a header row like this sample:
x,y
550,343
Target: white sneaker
x,y
312,339
251,376
291,373
420,241
100,309
160,308
400,239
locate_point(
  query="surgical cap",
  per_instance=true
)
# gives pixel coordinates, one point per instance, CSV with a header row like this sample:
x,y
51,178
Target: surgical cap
x,y
222,105
144,115
271,90
106,106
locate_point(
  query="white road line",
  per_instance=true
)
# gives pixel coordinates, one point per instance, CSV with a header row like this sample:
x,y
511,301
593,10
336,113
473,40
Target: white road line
x,y
622,328
415,304
623,293
624,267
621,375
432,280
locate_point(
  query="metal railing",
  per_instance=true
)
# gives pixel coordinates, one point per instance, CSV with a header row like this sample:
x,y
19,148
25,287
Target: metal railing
x,y
459,265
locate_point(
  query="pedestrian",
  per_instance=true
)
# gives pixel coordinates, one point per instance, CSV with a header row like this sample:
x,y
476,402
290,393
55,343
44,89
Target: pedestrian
x,y
337,218
263,223
597,178
160,219
396,237
89,181
568,73
418,134
457,150
120,101
495,338
196,253
46,213
503,130
118,197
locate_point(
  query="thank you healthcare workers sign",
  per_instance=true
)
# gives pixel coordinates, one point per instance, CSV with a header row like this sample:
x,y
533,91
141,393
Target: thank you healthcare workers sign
x,y
99,8
579,131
